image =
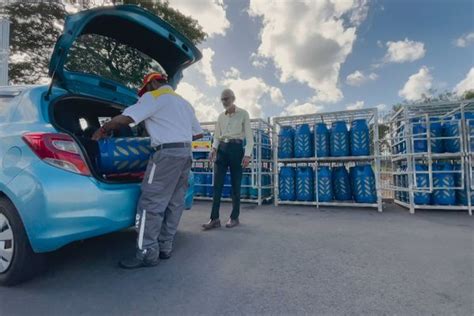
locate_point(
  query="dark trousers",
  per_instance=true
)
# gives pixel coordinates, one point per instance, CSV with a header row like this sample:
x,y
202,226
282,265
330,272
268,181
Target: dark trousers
x,y
229,155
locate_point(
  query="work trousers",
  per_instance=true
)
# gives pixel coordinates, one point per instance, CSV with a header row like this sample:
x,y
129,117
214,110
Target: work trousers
x,y
161,202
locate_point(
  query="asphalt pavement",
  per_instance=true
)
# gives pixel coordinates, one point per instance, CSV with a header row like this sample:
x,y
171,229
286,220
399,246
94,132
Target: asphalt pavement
x,y
279,261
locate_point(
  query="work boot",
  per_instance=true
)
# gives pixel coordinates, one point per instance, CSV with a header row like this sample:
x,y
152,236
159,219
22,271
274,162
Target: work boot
x,y
232,223
165,255
135,263
213,223
142,259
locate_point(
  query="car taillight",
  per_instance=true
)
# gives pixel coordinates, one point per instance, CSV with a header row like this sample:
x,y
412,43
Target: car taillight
x,y
59,150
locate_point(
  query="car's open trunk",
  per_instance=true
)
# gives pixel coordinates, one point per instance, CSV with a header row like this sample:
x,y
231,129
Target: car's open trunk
x,y
80,117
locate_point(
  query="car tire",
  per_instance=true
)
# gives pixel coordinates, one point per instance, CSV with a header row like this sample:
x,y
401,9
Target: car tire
x,y
24,264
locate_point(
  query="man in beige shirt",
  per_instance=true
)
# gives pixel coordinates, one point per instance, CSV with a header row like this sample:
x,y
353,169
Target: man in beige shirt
x,y
232,127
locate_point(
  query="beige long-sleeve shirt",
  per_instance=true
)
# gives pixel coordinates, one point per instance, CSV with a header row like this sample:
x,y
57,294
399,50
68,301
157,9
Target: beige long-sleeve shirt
x,y
234,126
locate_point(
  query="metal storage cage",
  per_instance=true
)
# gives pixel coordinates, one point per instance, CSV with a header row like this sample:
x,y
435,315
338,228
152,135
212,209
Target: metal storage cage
x,y
429,157
259,172
371,117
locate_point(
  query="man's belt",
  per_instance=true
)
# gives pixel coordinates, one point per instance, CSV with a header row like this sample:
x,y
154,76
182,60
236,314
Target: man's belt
x,y
232,141
172,145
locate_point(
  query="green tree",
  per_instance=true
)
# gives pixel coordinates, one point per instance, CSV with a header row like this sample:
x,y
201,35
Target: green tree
x,y
36,26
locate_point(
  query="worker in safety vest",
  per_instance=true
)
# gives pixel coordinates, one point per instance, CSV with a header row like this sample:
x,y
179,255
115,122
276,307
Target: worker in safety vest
x,y
172,125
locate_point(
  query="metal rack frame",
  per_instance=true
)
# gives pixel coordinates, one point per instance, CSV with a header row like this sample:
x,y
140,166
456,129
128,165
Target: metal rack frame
x,y
371,115
403,163
257,164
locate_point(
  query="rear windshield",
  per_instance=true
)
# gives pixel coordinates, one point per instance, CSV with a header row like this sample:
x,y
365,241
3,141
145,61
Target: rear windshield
x,y
6,107
107,58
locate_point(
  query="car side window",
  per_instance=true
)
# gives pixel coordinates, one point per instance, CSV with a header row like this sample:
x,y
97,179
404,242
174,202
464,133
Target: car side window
x,y
6,107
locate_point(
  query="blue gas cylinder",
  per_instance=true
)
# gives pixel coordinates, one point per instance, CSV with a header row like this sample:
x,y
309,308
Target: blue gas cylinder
x,y
341,184
227,189
364,184
360,139
422,182
287,187
286,140
303,142
304,184
436,132
461,194
451,129
443,178
209,191
188,198
339,139
266,146
266,182
419,136
120,155
199,181
321,140
245,184
324,185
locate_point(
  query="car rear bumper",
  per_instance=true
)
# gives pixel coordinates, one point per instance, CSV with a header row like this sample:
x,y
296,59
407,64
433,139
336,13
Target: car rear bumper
x,y
58,207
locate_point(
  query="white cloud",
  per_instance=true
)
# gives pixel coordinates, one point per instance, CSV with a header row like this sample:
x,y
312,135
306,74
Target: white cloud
x,y
204,66
311,55
466,84
297,108
357,78
404,51
250,92
464,40
211,14
417,86
258,61
206,109
355,106
381,106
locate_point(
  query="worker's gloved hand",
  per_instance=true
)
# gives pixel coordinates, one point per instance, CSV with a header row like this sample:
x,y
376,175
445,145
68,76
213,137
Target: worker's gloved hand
x,y
99,134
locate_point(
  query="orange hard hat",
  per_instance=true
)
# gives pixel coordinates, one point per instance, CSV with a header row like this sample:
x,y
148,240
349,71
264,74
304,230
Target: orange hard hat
x,y
148,78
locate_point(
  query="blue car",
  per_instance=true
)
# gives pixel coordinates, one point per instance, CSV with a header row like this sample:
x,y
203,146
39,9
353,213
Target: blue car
x,y
52,192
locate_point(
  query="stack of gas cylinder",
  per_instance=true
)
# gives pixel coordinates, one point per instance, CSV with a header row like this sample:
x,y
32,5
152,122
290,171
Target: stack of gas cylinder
x,y
328,184
338,141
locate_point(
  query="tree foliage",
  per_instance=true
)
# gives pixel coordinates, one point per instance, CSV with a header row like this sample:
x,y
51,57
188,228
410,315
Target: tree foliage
x,y
35,26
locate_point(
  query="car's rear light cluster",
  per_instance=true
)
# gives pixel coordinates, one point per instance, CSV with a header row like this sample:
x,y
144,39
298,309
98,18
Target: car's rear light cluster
x,y
59,150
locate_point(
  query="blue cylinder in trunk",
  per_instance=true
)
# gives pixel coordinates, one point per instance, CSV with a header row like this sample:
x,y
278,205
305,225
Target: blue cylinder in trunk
x,y
359,136
120,155
339,139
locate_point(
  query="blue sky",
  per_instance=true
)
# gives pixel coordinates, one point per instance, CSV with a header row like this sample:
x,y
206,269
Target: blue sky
x,y
294,57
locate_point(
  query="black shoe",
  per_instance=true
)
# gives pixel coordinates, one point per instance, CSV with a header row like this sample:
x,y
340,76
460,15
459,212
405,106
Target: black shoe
x,y
165,255
135,263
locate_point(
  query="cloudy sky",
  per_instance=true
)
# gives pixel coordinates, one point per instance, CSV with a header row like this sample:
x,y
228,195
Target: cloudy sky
x,y
291,57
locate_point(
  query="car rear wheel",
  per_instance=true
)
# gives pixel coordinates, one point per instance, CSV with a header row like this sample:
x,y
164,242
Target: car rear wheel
x,y
18,262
